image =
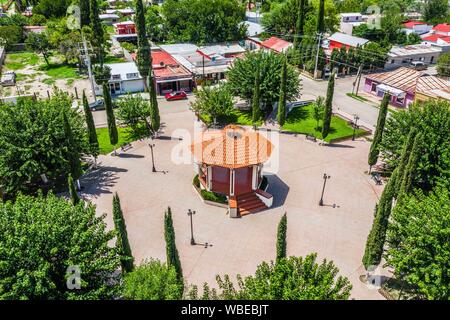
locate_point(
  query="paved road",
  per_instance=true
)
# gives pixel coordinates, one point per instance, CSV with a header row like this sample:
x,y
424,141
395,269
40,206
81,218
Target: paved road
x,y
367,111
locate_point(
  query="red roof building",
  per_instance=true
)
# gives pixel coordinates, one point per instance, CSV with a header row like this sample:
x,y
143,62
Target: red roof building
x,y
412,24
276,44
126,27
442,28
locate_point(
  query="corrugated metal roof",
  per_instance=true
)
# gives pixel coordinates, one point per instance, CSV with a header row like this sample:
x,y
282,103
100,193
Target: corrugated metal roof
x,y
348,39
402,51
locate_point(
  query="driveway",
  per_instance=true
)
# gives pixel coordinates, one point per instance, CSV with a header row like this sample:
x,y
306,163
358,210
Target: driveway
x,y
336,231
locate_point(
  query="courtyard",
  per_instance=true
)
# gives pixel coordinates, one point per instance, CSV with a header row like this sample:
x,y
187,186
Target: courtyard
x,y
337,231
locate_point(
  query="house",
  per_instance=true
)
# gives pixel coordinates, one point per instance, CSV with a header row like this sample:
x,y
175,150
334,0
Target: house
x,y
169,74
109,18
125,78
230,162
416,27
124,32
403,55
33,29
206,63
123,12
276,44
349,21
441,29
426,89
436,40
253,29
338,40
403,84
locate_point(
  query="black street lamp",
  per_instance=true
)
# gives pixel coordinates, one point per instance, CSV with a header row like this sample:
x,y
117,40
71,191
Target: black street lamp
x,y
325,178
355,126
190,214
151,145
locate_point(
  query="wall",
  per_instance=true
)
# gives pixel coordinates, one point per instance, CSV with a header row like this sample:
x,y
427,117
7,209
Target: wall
x,y
427,58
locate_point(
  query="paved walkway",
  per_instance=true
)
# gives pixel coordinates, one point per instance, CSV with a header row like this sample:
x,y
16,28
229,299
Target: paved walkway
x,y
336,231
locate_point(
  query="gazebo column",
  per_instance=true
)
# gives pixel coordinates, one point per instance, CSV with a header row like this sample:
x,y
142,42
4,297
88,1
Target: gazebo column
x,y
208,177
255,177
232,200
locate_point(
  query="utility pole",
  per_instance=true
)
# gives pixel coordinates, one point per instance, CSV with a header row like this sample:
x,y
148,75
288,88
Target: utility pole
x,y
317,54
86,57
358,75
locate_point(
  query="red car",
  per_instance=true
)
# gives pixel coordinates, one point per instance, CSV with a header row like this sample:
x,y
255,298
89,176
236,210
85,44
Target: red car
x,y
176,95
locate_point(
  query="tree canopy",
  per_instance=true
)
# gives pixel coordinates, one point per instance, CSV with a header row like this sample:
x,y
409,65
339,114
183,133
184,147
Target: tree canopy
x,y
432,119
33,141
419,246
213,101
241,78
41,237
293,278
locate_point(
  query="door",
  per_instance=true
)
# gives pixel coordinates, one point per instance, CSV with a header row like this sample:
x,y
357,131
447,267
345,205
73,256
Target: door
x,y
243,180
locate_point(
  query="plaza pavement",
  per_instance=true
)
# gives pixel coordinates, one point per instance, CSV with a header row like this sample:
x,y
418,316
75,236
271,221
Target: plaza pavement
x,y
239,245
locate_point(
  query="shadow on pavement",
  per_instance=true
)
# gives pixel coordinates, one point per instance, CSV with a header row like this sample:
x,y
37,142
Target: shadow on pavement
x,y
100,181
278,189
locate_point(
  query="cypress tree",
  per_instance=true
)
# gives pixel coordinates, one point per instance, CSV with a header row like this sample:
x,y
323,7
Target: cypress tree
x,y
92,134
282,100
111,119
407,146
85,12
256,110
154,110
172,256
377,236
74,198
321,17
328,112
408,176
378,136
299,23
97,30
281,238
143,56
73,155
122,244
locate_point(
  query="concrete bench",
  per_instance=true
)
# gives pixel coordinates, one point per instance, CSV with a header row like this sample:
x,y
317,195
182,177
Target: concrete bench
x,y
311,138
125,147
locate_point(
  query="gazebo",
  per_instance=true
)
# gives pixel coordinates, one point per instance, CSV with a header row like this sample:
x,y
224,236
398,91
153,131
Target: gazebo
x,y
230,162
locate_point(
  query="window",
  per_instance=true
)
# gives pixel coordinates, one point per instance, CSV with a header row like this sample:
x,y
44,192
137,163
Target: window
x,y
115,76
132,75
392,61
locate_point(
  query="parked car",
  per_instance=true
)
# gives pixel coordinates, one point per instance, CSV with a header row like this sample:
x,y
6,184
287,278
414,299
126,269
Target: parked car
x,y
418,65
99,104
176,95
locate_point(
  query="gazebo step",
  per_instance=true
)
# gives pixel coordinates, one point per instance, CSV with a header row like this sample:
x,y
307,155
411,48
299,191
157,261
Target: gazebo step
x,y
250,203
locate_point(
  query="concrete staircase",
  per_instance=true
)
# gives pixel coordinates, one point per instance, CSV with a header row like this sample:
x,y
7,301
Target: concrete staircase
x,y
249,203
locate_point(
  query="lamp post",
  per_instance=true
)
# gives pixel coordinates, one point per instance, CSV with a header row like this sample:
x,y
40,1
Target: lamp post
x,y
325,178
151,145
355,126
190,214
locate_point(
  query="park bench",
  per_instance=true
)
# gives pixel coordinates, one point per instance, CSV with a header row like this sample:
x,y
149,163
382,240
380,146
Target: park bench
x,y
125,147
311,137
377,178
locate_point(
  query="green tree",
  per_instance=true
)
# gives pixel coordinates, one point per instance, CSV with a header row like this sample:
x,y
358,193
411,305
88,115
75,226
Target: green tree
x,y
41,237
143,56
51,8
122,244
377,235
110,118
154,110
281,238
134,112
97,30
443,65
321,17
419,250
318,110
406,150
102,74
39,43
204,22
256,105
378,135
435,11
85,19
242,76
152,280
409,172
300,23
293,278
328,112
214,102
281,117
432,119
73,153
33,142
173,259
10,35
90,125
74,198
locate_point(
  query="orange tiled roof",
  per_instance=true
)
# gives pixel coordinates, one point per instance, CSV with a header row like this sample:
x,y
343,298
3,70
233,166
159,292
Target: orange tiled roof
x,y
232,147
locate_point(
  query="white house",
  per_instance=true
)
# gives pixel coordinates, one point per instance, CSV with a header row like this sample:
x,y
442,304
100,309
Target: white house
x,y
125,78
109,18
416,27
403,55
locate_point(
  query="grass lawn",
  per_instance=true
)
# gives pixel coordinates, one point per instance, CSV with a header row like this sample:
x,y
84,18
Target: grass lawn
x,y
17,61
241,117
103,139
300,120
112,59
60,71
357,97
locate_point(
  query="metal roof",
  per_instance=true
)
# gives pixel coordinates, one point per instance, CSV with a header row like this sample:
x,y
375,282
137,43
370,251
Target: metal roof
x,y
402,51
348,39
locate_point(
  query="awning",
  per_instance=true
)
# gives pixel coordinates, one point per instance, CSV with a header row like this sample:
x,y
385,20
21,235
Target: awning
x,y
172,80
391,90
